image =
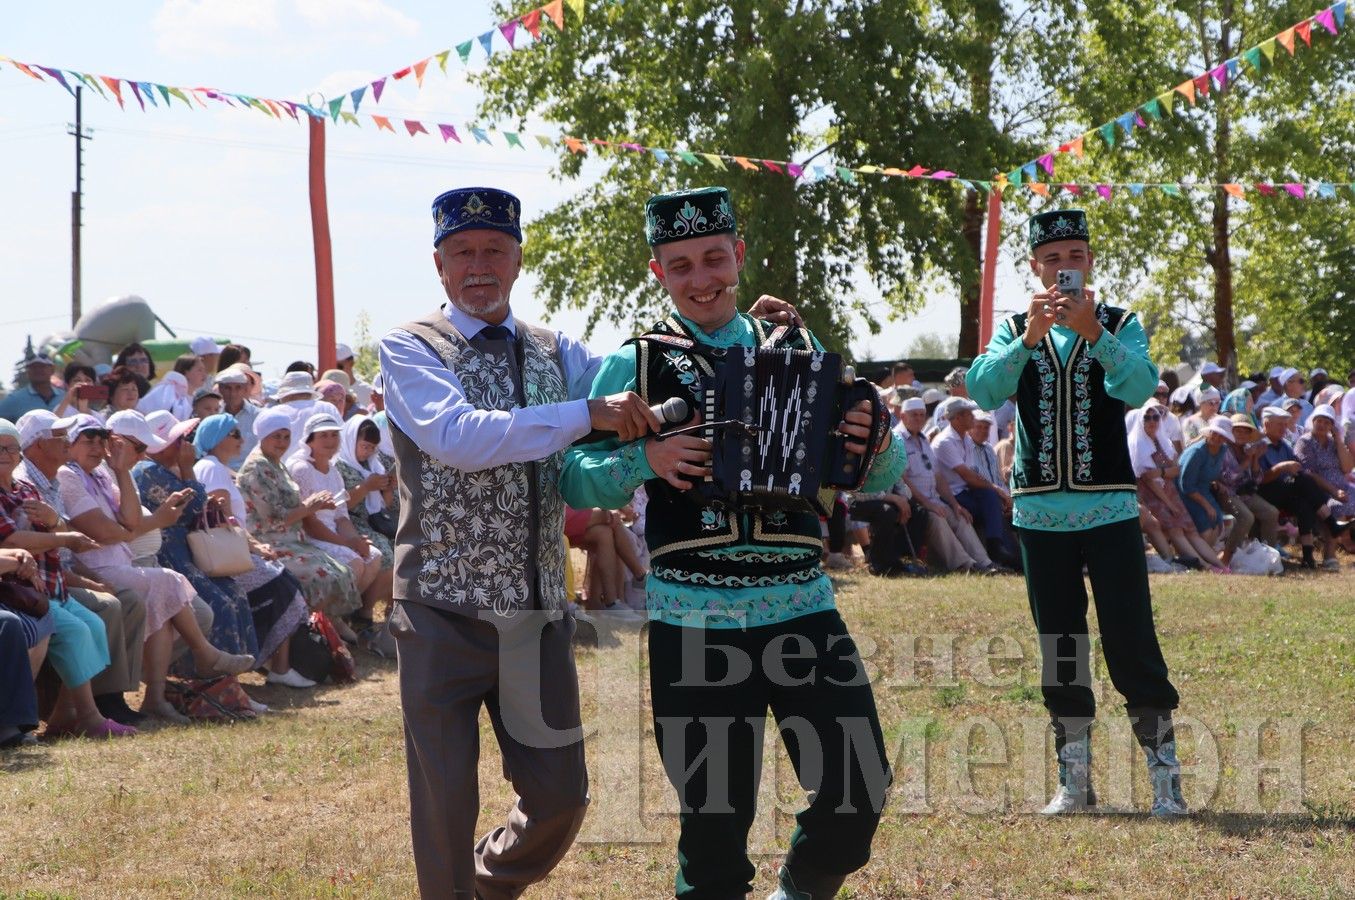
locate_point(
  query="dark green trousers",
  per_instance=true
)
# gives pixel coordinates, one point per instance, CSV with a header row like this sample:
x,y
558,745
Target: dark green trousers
x,y
712,689
1113,555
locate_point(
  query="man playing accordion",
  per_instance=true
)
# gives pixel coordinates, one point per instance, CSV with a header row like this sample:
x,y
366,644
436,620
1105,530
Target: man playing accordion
x,y
743,617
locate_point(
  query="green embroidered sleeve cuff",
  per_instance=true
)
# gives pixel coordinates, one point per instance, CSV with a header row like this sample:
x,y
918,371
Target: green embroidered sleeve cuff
x,y
887,468
1109,351
630,467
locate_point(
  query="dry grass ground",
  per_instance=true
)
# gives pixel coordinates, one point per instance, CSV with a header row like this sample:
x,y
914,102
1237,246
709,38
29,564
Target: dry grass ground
x,y
310,801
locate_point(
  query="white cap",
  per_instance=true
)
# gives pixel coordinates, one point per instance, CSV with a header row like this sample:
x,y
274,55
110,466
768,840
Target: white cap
x,y
1316,372
202,346
82,423
1323,409
232,375
320,422
1222,426
1289,403
983,416
38,424
1246,385
342,352
956,405
932,395
131,424
1274,412
297,383
363,391
1207,392
1275,371
1286,374
1181,394
168,428
1211,368
914,404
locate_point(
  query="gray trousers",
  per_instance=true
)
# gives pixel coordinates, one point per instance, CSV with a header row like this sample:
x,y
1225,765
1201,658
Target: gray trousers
x,y
522,671
124,618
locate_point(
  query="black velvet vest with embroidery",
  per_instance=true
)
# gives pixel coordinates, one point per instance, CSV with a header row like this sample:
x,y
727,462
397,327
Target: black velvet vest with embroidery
x,y
1070,434
682,525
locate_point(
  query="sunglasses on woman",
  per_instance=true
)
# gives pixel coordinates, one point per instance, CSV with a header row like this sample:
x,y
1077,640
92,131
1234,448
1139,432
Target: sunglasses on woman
x,y
1151,418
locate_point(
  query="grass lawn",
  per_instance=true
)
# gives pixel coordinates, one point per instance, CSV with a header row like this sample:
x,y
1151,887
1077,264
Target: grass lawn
x,y
310,801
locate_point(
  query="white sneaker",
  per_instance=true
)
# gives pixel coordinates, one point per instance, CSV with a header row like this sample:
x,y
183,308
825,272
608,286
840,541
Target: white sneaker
x,y
291,678
1331,565
257,707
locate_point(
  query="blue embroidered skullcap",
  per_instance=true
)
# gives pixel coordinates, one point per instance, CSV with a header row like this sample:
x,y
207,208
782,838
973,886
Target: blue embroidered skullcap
x,y
466,209
212,431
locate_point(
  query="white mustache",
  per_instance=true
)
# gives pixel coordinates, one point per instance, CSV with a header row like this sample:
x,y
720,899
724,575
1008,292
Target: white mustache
x,y
478,280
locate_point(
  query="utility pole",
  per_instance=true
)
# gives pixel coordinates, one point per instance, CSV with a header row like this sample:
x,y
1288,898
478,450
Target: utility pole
x,y
78,132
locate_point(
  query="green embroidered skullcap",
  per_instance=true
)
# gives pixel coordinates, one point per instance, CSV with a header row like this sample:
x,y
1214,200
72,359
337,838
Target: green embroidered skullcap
x,y
1058,225
688,214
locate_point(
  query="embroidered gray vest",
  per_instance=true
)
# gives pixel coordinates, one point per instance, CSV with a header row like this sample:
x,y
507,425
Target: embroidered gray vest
x,y
1070,434
492,540
681,526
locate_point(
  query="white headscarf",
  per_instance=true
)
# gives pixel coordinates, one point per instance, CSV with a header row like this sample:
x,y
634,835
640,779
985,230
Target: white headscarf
x,y
387,446
170,395
348,452
1141,446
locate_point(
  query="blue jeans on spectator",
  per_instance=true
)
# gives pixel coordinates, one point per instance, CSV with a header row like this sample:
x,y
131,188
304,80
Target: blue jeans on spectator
x,y
18,701
989,520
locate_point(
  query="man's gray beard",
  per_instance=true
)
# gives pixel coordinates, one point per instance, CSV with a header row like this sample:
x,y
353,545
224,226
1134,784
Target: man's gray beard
x,y
480,313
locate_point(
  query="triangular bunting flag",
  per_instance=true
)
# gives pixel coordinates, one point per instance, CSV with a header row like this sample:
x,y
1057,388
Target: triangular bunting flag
x,y
334,106
1268,48
1295,189
688,157
1104,190
164,93
346,116
714,160
1304,30
1136,189
1108,133
1266,189
357,96
1202,85
402,73
794,170
487,41
182,96
532,22
1047,163
1286,39
1077,145
116,88
1234,66
55,75
383,122
480,135
463,51
1074,189
1187,89
1327,20
514,139
290,107
845,173
508,29
545,142
1326,189
942,175
1166,100
1253,58
442,60
1040,188
1220,76
577,6
414,127
148,91
419,68
1028,170
449,133
773,166
1015,177
660,155
1171,190
744,163
1235,190
917,171
1339,13
576,146
23,67
136,92
93,85
869,170
377,87
1154,109
555,11
1127,122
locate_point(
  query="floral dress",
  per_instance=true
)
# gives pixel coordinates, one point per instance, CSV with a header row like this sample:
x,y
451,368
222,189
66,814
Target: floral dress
x,y
270,494
1166,516
232,624
1323,461
357,514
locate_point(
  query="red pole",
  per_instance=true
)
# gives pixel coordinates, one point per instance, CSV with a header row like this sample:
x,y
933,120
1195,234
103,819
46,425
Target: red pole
x,y
324,260
989,284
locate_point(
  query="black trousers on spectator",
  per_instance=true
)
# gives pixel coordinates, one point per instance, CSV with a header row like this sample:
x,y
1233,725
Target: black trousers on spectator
x,y
837,526
1113,555
890,541
712,689
1300,495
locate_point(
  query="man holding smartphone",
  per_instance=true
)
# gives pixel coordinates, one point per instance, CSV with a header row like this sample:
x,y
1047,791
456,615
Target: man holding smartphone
x,y
1075,366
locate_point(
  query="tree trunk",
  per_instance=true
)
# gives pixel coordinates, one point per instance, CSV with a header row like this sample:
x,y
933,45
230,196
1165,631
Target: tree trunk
x,y
1220,255
971,230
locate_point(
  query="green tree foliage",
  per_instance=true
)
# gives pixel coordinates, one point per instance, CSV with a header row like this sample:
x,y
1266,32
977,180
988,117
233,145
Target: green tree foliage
x,y
1261,280
833,81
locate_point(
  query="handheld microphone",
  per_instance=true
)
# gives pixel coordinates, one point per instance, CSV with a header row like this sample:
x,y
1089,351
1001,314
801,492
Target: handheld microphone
x,y
669,412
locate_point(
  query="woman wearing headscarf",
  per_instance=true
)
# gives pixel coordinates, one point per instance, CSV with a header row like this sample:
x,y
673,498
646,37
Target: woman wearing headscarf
x,y
1156,469
276,603
275,511
171,395
1328,461
1240,401
102,501
316,473
364,477
1207,403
